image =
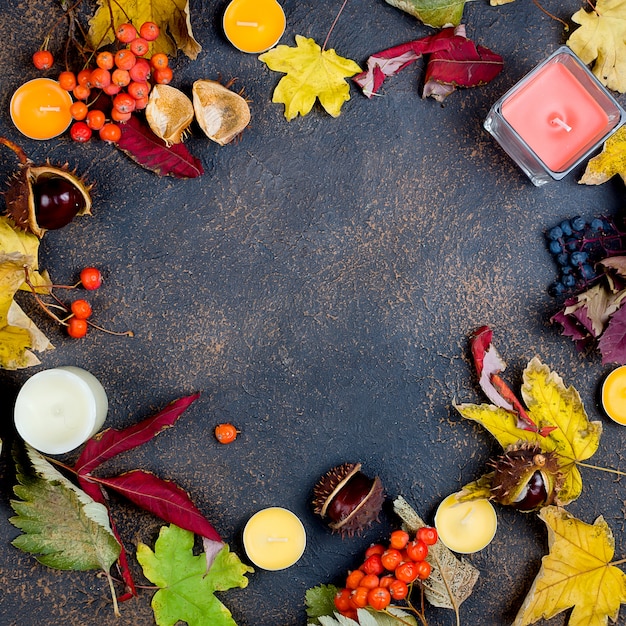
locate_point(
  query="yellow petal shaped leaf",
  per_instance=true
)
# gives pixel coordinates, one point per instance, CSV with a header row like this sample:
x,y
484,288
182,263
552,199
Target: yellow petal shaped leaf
x,y
576,573
13,239
549,403
601,39
16,338
310,74
611,161
172,17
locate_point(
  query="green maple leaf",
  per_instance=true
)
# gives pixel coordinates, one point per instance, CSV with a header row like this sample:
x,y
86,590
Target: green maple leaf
x,y
186,589
435,13
62,526
549,403
310,74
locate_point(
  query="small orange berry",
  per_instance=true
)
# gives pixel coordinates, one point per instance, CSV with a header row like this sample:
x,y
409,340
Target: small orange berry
x,y
78,110
226,433
81,92
125,33
67,80
110,132
163,76
139,46
149,31
125,59
76,328
100,78
95,119
105,60
43,59
159,61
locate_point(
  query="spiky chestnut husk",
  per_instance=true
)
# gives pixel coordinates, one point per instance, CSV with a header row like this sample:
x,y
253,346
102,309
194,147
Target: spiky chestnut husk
x,y
46,197
350,499
525,477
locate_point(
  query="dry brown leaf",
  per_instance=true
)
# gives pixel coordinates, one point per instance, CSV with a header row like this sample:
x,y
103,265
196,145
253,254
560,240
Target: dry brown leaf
x,y
451,580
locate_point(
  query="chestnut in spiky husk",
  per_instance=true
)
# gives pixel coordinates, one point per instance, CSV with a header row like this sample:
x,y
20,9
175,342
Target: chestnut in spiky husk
x,y
350,499
525,477
44,197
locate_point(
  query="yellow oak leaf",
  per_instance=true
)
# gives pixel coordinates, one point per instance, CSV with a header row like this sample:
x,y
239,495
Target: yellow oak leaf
x,y
611,161
17,333
549,403
172,17
310,73
602,38
576,573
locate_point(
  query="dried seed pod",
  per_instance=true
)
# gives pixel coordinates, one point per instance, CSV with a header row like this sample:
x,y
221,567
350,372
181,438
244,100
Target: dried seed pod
x,y
44,197
351,500
221,113
169,113
525,477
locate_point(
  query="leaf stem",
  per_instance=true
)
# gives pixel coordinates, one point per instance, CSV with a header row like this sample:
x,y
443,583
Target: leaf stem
x,y
116,608
343,6
601,469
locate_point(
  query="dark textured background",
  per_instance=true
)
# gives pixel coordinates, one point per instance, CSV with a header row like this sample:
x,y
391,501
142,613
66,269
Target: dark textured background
x,y
317,285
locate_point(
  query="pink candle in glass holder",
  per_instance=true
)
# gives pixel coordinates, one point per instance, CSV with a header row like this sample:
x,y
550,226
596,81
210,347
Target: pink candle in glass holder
x,y
554,117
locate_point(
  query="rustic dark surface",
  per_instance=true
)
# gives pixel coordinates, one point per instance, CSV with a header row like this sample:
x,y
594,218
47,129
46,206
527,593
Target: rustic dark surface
x,y
317,285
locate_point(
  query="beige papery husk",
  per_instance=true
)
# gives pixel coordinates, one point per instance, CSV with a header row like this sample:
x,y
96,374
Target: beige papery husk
x,y
169,113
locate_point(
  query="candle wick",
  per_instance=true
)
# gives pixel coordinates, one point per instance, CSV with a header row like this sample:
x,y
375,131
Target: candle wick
x,y
252,24
278,539
559,122
467,516
47,108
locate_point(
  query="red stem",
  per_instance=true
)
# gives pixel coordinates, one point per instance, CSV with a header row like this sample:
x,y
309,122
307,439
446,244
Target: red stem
x,y
333,24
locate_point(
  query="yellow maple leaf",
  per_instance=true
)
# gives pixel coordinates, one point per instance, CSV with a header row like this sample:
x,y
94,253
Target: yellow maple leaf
x,y
577,572
549,403
602,38
611,161
310,73
172,17
17,333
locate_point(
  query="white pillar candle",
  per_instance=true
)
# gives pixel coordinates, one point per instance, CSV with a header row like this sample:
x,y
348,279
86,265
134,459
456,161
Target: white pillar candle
x,y
59,409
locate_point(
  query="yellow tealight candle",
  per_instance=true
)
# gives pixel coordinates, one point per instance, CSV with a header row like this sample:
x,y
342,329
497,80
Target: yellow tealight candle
x,y
614,395
254,25
40,109
466,527
274,538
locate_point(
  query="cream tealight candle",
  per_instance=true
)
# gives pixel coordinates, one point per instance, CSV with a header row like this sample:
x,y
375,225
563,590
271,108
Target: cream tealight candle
x,y
466,527
274,538
59,409
614,395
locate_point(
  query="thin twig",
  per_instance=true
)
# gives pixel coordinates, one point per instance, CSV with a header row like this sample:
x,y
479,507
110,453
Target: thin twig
x,y
333,24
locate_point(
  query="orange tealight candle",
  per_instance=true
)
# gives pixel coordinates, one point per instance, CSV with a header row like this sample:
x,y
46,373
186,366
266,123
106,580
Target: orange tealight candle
x,y
614,395
254,25
40,109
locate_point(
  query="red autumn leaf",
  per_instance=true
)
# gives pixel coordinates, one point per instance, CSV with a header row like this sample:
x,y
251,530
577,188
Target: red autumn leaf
x,y
612,342
457,62
162,498
111,442
151,152
463,64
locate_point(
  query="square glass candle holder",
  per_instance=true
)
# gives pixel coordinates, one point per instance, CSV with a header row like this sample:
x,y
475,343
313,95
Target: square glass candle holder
x,y
554,118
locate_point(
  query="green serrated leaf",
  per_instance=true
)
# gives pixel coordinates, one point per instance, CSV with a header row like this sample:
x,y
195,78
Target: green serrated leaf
x,y
62,526
185,587
435,13
320,601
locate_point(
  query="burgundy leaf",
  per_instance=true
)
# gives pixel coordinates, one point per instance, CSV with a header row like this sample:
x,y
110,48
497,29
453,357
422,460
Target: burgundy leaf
x,y
580,314
111,442
163,498
463,64
455,61
612,343
572,328
389,62
151,152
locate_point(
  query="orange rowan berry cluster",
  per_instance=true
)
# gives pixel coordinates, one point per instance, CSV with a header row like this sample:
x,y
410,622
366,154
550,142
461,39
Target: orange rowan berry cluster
x,y
124,75
387,573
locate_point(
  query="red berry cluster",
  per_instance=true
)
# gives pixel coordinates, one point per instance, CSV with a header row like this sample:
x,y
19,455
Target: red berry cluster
x,y
387,572
80,310
123,75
